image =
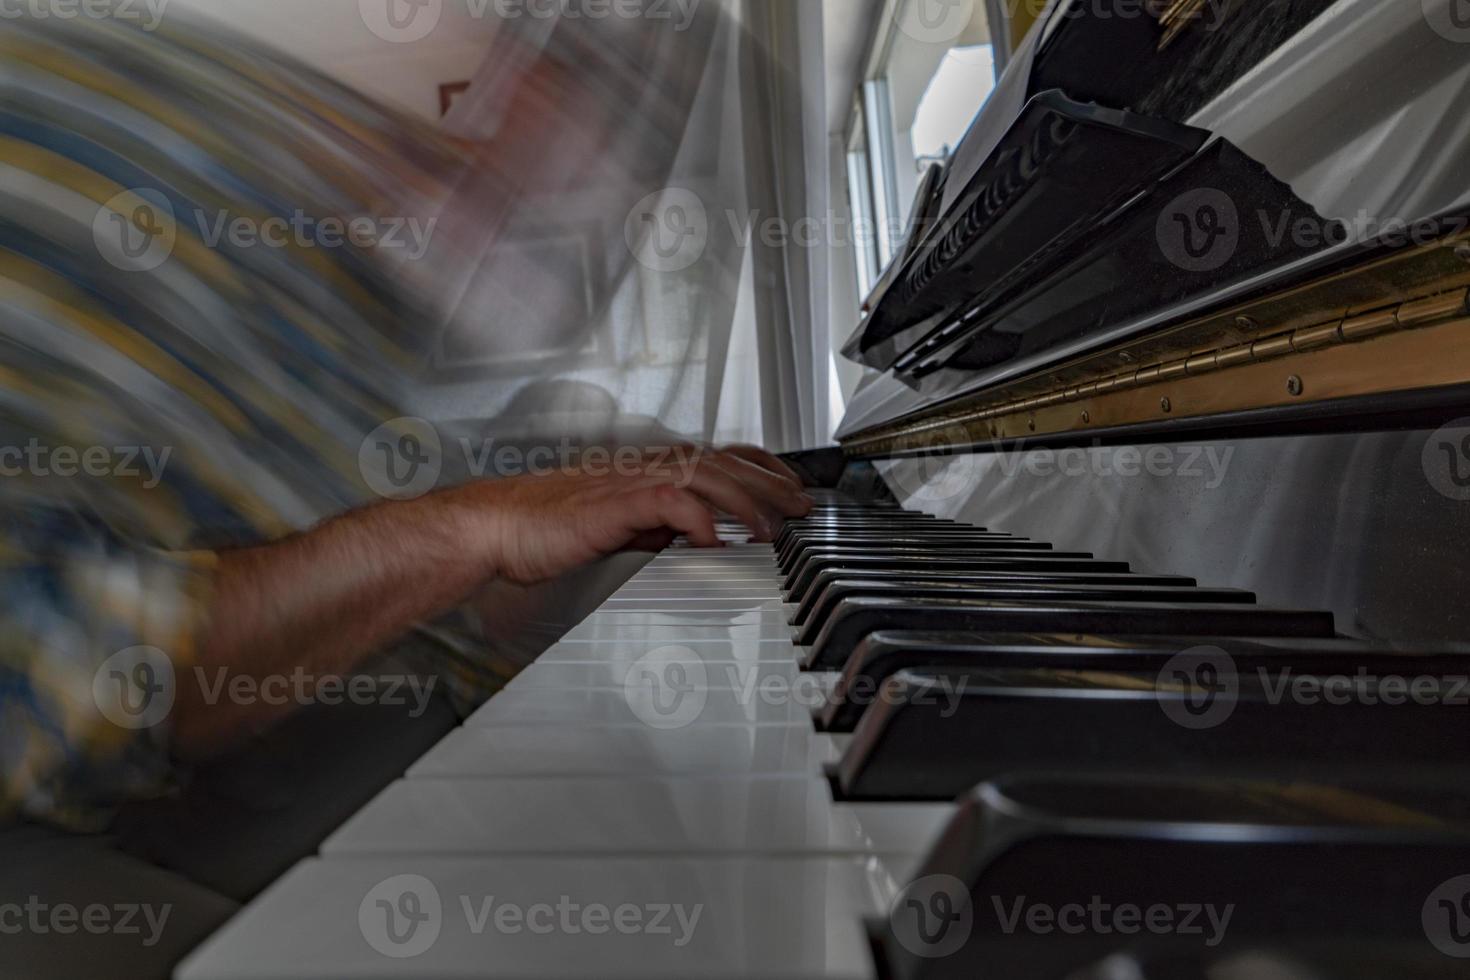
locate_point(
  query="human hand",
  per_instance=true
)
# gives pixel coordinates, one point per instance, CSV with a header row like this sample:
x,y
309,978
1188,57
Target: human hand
x,y
536,528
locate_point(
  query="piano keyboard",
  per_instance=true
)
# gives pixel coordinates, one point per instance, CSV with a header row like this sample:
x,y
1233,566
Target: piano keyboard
x,y
894,746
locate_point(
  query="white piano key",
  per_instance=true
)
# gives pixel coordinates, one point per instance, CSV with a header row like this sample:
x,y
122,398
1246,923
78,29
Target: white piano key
x,y
753,580
323,920
691,604
701,565
603,672
774,629
722,592
763,557
701,584
775,650
773,815
713,571
701,752
651,697
681,617
708,573
682,548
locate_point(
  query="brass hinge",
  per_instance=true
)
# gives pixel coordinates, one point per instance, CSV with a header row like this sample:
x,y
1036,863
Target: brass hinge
x,y
981,422
1176,16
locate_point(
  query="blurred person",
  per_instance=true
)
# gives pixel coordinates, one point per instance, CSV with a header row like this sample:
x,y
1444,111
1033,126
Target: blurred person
x,y
186,478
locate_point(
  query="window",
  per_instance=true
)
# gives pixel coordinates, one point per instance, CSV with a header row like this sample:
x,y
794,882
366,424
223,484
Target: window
x,y
860,194
915,106
963,83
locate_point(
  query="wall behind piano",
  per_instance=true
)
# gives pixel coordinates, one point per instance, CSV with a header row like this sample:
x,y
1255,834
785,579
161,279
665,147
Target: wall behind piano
x,y
332,36
551,312
1373,527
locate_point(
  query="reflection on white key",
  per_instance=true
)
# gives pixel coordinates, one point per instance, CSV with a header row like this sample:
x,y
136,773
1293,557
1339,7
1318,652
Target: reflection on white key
x,y
632,815
690,604
755,592
765,557
772,650
702,752
669,590
682,617
682,549
602,672
774,630
559,919
666,695
707,574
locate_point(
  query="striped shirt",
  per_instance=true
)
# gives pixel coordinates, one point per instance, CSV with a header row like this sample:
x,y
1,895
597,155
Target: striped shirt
x,y
202,316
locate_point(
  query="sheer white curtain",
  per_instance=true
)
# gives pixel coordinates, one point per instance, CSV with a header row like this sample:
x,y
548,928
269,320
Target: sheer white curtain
x,y
619,258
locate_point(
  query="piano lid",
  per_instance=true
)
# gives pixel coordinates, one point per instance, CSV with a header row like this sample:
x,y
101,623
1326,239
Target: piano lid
x,y
1311,118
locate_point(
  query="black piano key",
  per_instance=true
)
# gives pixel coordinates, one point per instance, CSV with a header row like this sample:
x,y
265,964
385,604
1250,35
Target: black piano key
x,y
1341,958
828,579
895,544
837,535
862,537
820,513
819,518
884,653
894,537
1231,863
792,529
798,583
794,567
827,600
828,509
933,734
854,619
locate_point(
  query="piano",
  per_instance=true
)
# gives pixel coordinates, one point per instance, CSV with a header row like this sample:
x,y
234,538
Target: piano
x,y
1127,637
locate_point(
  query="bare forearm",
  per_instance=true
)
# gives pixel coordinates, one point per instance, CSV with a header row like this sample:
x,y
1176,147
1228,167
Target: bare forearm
x,y
321,601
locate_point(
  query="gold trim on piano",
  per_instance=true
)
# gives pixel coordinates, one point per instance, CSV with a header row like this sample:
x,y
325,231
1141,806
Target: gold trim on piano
x,y
1325,340
1174,17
